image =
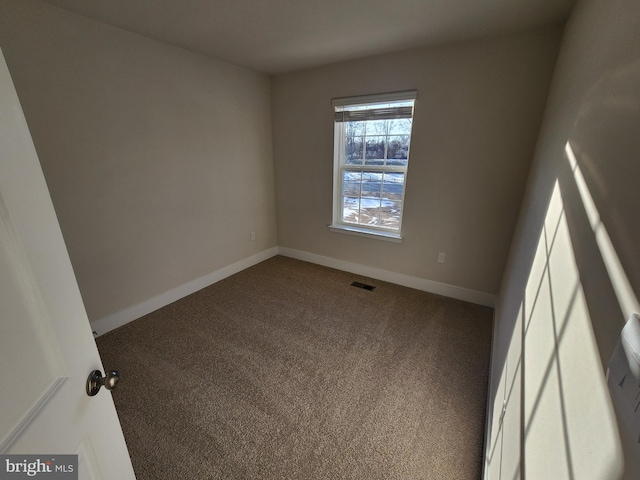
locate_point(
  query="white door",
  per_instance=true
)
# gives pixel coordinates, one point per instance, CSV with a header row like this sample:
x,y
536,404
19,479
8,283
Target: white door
x,y
47,349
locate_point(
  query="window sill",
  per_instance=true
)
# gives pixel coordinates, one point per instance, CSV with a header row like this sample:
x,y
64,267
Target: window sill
x,y
363,232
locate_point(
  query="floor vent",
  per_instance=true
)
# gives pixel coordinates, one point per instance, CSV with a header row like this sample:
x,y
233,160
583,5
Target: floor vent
x,y
364,286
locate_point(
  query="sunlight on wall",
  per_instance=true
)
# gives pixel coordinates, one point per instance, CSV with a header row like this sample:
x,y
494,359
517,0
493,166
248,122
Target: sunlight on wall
x,y
621,285
557,420
570,428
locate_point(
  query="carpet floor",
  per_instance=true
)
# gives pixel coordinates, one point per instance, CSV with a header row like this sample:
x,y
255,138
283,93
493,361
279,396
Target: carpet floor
x,y
286,371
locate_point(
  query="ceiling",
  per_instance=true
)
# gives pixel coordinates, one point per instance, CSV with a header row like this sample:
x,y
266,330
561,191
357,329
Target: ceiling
x,y
275,36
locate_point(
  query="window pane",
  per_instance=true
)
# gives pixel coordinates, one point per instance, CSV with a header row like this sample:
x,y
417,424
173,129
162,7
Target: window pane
x,y
354,129
370,210
350,210
398,150
376,127
393,185
371,184
353,150
400,126
375,151
351,183
390,213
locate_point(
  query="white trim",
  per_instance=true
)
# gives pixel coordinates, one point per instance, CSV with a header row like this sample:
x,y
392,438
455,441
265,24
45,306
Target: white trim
x,y
115,320
459,293
367,233
488,419
375,98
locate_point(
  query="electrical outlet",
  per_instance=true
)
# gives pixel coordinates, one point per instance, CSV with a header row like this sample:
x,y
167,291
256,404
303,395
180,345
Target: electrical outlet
x,y
441,257
253,235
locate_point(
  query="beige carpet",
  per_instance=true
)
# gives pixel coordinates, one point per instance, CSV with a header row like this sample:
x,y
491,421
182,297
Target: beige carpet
x,y
285,371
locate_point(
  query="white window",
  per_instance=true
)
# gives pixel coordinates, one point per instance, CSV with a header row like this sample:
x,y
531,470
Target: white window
x,y
372,136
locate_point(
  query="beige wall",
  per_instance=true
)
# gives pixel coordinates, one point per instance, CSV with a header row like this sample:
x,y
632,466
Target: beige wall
x,y
159,161
573,275
476,122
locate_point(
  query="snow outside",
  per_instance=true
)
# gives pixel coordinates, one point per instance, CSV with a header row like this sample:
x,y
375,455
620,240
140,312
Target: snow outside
x,y
371,194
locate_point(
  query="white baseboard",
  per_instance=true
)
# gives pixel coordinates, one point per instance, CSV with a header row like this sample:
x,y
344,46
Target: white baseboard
x,y
115,320
459,293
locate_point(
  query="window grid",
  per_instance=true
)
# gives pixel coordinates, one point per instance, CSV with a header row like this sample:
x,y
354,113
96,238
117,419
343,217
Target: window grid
x,y
361,196
377,209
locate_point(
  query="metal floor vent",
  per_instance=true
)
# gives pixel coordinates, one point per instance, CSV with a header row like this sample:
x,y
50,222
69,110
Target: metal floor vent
x,y
364,286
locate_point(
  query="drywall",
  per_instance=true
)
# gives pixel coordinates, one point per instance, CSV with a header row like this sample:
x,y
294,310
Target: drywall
x,y
573,274
158,160
476,121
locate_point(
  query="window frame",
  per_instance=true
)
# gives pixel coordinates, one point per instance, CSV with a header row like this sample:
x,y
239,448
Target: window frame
x,y
340,166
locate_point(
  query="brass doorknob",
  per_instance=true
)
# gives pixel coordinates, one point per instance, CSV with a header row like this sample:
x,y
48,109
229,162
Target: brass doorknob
x,y
96,380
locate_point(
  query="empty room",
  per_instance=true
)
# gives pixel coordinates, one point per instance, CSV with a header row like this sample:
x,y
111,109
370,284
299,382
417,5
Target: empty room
x,y
320,240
